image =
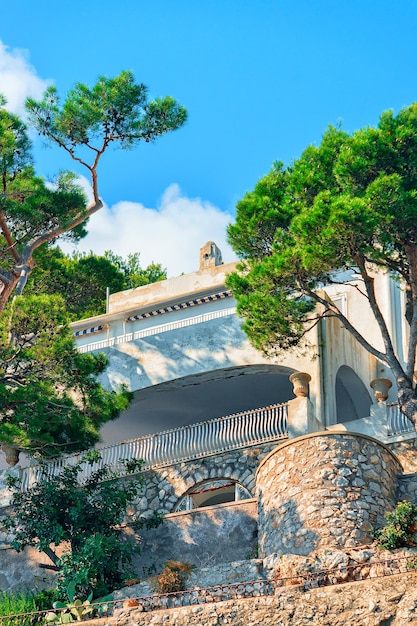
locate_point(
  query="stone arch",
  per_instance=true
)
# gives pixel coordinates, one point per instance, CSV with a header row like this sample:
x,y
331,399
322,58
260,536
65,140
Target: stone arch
x,y
166,486
211,492
353,400
219,467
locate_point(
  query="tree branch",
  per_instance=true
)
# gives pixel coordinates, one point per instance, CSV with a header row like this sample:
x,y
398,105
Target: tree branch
x,y
26,262
329,306
411,253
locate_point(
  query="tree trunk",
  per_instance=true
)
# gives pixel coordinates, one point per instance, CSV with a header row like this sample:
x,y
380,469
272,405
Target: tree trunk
x,y
407,400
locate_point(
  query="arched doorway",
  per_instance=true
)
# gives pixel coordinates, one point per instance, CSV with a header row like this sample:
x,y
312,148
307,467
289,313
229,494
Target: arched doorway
x,y
352,398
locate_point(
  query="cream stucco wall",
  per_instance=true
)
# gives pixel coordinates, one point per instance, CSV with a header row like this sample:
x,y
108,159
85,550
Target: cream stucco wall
x,y
147,346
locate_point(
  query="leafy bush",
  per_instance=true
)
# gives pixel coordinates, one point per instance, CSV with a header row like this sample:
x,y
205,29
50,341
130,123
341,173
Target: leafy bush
x,y
71,611
99,565
172,577
401,527
88,515
12,603
16,603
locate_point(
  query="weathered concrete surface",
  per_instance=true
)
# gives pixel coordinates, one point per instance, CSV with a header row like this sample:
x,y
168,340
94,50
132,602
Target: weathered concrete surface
x,y
386,601
22,571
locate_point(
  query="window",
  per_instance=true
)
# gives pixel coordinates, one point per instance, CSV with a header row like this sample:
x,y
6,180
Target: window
x,y
212,492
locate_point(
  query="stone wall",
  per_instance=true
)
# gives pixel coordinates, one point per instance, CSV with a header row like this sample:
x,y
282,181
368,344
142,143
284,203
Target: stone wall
x,y
324,490
406,452
204,537
22,571
218,534
407,488
391,600
164,487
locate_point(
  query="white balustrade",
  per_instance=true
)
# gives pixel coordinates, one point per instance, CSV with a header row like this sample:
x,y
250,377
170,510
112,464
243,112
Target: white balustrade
x,y
180,444
398,423
154,330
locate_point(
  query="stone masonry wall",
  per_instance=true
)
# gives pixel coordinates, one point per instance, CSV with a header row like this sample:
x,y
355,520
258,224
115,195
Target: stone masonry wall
x,y
165,486
324,490
216,536
380,602
406,452
407,488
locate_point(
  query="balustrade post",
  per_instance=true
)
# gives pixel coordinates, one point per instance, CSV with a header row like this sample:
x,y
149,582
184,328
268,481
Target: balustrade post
x,y
301,418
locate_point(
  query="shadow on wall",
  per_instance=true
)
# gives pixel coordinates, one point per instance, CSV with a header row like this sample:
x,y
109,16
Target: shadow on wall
x,y
183,352
295,537
285,531
202,537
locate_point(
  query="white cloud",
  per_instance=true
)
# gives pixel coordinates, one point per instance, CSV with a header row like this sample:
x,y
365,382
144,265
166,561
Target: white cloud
x,y
172,234
18,79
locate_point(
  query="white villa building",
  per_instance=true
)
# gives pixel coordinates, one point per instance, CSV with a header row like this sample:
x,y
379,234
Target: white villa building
x,y
226,433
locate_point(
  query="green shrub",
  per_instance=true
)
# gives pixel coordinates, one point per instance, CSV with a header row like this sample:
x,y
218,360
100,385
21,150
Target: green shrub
x,y
16,603
71,610
401,527
86,517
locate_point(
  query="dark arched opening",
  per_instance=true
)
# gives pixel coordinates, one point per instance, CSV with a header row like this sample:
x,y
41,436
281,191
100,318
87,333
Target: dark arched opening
x,y
212,492
352,398
197,398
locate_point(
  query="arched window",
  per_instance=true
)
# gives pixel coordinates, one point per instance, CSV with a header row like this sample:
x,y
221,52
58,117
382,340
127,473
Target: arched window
x,y
213,492
352,398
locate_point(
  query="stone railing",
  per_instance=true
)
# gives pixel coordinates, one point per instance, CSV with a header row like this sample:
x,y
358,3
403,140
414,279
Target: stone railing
x,y
398,423
154,330
180,444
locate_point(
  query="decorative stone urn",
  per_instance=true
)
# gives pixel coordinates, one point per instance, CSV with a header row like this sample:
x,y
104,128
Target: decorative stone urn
x,y
300,382
381,387
11,454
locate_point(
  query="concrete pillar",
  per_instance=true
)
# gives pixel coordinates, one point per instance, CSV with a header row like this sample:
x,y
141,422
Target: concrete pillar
x,y
301,418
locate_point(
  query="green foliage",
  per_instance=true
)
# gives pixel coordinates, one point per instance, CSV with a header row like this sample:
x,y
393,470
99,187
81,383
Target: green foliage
x,y
88,515
22,607
133,274
346,205
15,146
82,279
401,527
172,577
50,398
72,610
114,112
15,602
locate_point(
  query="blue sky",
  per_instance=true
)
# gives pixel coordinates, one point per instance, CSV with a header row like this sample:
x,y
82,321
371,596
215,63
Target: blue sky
x,y
261,80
